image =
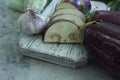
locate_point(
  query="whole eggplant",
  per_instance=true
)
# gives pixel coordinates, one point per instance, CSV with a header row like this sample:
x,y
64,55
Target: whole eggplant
x,y
107,16
102,40
78,4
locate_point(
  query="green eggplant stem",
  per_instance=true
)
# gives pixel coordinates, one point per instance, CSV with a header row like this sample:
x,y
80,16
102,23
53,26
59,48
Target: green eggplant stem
x,y
82,29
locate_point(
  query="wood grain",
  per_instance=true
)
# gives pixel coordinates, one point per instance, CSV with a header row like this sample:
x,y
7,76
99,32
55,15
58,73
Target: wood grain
x,y
70,55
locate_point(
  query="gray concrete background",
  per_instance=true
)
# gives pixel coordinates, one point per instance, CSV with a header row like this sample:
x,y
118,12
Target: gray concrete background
x,y
14,66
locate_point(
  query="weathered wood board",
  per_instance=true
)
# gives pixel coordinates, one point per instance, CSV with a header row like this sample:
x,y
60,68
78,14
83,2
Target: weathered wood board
x,y
70,55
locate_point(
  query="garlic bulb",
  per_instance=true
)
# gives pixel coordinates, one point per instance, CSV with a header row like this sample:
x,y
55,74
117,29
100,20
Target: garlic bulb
x,y
31,23
34,23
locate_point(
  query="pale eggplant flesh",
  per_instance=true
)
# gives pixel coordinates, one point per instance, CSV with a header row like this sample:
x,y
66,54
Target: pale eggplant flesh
x,y
70,11
78,21
62,31
65,5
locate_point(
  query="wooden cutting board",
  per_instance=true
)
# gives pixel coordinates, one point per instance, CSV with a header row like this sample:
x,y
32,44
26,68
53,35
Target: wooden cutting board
x,y
69,55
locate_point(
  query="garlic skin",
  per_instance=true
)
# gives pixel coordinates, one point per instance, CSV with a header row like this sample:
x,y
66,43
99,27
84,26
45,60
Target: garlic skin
x,y
31,23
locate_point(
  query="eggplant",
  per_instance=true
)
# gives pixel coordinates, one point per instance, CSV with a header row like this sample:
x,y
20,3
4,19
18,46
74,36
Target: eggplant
x,y
102,40
107,16
65,5
79,5
77,20
70,11
62,31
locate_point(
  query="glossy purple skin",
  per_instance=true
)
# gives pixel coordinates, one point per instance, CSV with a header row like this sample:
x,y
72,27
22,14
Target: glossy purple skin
x,y
107,16
102,40
78,4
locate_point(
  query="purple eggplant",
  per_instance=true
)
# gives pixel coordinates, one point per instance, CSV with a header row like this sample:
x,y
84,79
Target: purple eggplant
x,y
102,40
107,16
77,3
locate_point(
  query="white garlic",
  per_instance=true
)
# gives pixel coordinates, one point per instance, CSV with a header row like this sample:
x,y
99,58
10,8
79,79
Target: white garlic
x,y
31,23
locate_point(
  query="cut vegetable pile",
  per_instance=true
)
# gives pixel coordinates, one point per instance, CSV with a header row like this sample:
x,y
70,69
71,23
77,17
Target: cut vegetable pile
x,y
44,16
64,25
73,21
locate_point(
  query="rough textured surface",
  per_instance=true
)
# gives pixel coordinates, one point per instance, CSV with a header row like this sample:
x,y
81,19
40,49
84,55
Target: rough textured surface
x,y
14,66
69,55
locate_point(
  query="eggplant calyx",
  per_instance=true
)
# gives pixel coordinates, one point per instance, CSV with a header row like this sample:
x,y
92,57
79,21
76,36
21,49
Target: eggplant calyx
x,y
91,15
82,29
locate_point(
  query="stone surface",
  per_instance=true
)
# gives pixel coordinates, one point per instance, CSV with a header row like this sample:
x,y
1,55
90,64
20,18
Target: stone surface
x,y
14,66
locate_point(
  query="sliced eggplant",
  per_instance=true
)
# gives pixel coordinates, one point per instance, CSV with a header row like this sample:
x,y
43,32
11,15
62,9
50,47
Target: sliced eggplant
x,y
70,11
70,17
62,31
65,5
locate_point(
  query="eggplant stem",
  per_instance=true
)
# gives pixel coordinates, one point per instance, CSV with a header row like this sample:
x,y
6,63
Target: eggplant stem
x,y
89,17
82,2
82,29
